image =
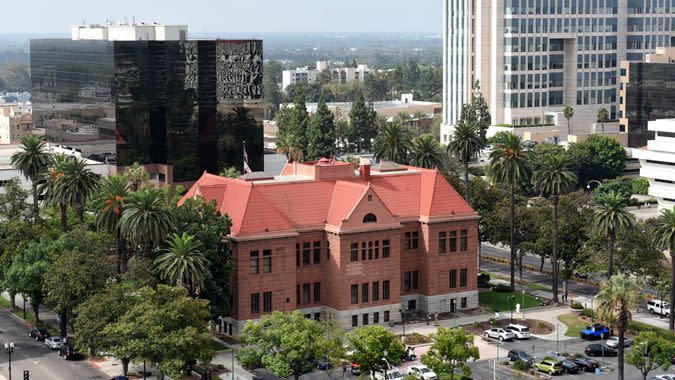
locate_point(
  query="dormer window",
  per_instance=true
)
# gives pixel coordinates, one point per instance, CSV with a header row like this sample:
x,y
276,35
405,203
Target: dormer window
x,y
370,218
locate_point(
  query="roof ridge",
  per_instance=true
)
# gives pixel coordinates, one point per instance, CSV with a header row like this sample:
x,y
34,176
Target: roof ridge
x,y
269,203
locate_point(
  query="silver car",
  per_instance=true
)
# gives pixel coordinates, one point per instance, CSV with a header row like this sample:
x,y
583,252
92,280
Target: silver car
x,y
55,342
614,342
500,334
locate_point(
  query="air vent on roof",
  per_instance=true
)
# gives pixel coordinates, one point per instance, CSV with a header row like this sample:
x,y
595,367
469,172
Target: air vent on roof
x,y
256,176
387,166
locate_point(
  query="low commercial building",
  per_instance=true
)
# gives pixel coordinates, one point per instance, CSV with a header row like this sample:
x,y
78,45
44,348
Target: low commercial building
x,y
362,247
14,123
657,161
388,109
309,74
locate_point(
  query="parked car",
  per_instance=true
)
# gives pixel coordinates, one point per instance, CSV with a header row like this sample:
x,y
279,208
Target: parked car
x,y
392,374
669,376
119,378
39,334
585,364
550,366
582,275
595,332
569,366
522,332
54,342
422,372
556,355
597,350
69,352
614,342
659,307
500,334
514,355
324,364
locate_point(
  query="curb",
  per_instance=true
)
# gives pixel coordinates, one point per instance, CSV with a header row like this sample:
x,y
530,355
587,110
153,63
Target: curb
x,y
17,318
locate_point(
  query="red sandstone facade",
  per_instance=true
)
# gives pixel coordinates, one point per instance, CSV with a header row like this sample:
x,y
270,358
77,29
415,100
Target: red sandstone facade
x,y
358,247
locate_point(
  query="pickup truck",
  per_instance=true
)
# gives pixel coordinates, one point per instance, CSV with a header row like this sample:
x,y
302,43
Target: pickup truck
x,y
596,331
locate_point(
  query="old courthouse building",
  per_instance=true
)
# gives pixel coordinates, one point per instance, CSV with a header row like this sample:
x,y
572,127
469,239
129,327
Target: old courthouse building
x,y
355,246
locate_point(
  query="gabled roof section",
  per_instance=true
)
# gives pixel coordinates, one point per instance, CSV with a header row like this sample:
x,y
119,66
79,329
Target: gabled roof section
x,y
261,216
303,204
345,197
369,203
401,193
439,198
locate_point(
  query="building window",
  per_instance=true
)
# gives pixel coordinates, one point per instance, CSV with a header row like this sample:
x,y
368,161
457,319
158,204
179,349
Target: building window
x,y
355,320
385,290
453,278
377,249
376,291
453,241
365,319
267,302
255,303
317,252
415,240
355,294
355,252
386,316
407,281
376,317
297,254
267,261
462,303
297,294
305,293
305,253
462,278
441,242
317,316
363,251
364,292
385,249
411,240
327,250
253,263
462,240
370,218
415,280
317,291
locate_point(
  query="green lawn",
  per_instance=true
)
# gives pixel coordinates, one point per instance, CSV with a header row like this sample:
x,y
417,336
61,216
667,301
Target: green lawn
x,y
499,301
573,323
541,287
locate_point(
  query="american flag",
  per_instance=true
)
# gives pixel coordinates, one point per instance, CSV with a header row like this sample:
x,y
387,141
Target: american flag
x,y
247,169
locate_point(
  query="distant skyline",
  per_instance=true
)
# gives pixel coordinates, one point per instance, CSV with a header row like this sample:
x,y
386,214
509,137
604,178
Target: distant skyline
x,y
232,16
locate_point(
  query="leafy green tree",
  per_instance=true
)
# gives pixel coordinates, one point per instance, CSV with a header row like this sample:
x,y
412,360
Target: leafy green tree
x,y
664,238
361,124
286,344
136,175
111,196
465,145
230,172
272,95
618,296
31,160
392,143
76,184
452,348
599,157
369,344
543,150
650,352
27,272
477,112
320,132
619,186
554,179
509,166
568,113
145,221
292,124
426,152
376,87
165,326
611,218
13,204
640,186
183,263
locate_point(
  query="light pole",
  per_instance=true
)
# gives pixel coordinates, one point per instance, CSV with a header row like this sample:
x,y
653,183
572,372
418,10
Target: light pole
x,y
588,185
602,342
523,304
592,310
9,348
512,300
557,337
403,319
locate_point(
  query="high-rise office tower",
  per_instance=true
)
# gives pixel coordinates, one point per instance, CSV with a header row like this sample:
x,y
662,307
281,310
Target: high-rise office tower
x,y
533,57
146,94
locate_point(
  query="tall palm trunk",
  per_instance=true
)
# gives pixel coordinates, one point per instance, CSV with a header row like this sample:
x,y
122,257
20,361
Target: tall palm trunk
x,y
554,244
36,310
121,253
512,233
671,317
36,207
622,332
603,127
610,249
466,180
63,209
79,209
12,301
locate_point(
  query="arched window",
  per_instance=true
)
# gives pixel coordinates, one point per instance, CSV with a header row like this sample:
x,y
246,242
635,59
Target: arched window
x,y
370,218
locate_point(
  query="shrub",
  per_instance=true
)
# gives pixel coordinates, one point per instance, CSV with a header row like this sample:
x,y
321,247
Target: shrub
x,y
483,280
501,288
640,186
477,171
520,365
576,306
541,325
588,313
416,338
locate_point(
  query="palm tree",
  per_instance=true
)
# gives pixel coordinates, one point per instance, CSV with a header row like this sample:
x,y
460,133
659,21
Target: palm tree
x,y
76,183
112,194
48,183
427,153
230,172
31,160
664,237
392,144
603,116
145,221
568,113
136,175
183,263
509,166
465,145
610,218
554,178
288,144
618,295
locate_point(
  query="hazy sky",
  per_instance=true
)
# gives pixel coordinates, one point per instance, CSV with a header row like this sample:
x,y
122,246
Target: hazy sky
x,y
250,16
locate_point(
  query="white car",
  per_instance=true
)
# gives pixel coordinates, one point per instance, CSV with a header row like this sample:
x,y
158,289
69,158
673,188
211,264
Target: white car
x,y
422,372
670,376
659,307
55,342
522,332
392,374
500,334
614,342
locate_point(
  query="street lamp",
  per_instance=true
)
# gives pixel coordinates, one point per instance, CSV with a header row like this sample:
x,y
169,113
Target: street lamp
x,y
523,304
403,319
512,301
588,185
9,348
557,337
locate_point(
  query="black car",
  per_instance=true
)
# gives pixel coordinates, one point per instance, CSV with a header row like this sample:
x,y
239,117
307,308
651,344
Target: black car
x,y
585,364
69,352
597,350
39,334
515,355
570,367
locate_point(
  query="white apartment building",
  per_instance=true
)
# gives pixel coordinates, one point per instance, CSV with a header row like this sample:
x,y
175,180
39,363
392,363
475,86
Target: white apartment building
x,y
657,162
15,123
533,57
309,74
123,31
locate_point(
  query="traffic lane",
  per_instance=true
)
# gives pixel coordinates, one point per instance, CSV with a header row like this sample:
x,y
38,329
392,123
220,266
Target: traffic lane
x,y
40,361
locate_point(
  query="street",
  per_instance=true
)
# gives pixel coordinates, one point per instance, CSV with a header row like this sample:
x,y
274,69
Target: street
x,y
42,363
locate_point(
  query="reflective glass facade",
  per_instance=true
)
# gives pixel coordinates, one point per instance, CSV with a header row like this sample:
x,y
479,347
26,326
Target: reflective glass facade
x,y
189,105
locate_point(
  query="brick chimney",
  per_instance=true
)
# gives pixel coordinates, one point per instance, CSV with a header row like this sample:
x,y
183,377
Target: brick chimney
x,y
364,169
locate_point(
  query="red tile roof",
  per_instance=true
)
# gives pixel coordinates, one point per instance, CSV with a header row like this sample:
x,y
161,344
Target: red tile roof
x,y
292,202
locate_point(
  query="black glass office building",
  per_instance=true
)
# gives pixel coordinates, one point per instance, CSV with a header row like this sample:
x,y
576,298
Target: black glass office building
x,y
186,105
648,94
